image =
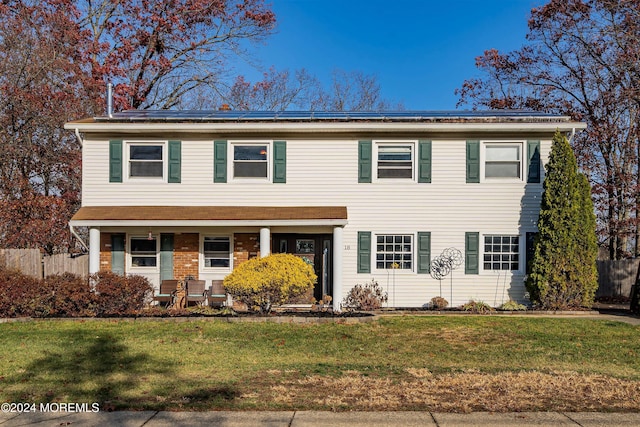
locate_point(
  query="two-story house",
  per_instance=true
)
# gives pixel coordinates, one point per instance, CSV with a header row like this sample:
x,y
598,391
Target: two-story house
x,y
170,194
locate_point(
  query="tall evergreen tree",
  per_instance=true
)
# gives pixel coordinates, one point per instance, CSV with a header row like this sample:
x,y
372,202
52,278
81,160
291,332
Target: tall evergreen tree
x,y
563,269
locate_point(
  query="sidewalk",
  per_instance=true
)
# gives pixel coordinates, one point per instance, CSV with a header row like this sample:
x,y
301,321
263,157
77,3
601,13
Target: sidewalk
x,y
317,418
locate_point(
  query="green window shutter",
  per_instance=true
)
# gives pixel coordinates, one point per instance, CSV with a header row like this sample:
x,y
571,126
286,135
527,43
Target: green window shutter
x,y
220,161
175,160
473,161
424,161
280,162
166,256
364,161
533,161
115,161
117,253
471,253
424,252
364,252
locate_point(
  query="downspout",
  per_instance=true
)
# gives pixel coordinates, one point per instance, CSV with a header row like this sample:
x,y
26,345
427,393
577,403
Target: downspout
x,y
78,137
573,133
75,234
71,228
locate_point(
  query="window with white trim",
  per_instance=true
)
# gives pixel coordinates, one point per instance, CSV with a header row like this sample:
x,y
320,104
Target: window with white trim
x,y
501,252
146,160
395,160
250,160
503,160
144,251
216,251
394,251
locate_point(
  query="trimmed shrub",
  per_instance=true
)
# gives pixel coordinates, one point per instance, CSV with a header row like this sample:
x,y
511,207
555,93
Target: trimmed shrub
x,y
20,295
120,295
438,303
367,297
69,295
275,279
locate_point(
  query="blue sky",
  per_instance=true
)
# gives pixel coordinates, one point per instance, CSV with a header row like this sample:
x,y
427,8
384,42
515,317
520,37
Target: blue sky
x,y
420,50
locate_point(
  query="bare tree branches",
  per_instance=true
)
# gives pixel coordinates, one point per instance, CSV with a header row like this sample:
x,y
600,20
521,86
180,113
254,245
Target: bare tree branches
x,y
581,58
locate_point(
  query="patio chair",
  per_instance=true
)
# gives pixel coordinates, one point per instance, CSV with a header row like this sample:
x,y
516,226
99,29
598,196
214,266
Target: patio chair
x,y
217,294
167,292
196,292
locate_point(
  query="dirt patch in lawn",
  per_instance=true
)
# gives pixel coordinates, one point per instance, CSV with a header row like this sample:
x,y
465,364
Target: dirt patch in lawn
x,y
459,392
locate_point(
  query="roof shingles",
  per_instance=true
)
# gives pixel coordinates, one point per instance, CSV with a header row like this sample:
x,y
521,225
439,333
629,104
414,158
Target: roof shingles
x,y
209,213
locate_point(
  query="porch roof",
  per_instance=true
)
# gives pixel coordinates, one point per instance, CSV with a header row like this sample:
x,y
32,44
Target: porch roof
x,y
209,215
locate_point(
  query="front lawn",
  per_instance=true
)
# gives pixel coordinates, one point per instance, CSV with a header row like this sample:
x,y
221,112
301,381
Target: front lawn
x,y
446,363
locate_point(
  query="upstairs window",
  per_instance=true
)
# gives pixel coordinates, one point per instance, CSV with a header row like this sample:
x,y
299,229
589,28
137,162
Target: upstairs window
x,y
395,161
250,161
146,161
503,161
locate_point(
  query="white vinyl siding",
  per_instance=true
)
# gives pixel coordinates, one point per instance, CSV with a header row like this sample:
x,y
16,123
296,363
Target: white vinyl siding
x,y
324,172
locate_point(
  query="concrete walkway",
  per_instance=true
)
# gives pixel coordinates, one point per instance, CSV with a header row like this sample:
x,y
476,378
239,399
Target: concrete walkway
x,y
317,418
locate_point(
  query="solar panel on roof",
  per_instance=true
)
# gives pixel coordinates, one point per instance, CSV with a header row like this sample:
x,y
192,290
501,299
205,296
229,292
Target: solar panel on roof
x,y
225,115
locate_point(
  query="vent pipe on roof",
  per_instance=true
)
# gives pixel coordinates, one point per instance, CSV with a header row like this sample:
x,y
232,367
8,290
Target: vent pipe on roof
x,y
110,99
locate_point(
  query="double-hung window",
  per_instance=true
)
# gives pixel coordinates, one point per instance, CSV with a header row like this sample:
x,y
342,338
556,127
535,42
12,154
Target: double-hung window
x,y
251,161
146,160
501,252
216,252
394,251
144,251
395,161
503,160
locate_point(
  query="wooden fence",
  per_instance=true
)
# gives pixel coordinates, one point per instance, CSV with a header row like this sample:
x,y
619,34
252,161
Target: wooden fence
x,y
65,263
32,263
29,261
615,278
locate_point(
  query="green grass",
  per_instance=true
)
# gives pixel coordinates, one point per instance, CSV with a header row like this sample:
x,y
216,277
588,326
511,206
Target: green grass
x,y
204,364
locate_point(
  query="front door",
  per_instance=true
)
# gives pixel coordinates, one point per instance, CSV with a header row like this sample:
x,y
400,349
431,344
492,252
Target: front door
x,y
314,249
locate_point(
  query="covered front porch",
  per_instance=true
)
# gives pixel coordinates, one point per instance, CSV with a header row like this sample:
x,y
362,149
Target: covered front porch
x,y
175,242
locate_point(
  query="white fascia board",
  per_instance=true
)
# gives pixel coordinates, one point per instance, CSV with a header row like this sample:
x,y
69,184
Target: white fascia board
x,y
249,127
208,223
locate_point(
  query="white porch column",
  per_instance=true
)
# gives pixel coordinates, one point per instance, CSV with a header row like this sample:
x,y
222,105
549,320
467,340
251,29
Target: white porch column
x,y
337,268
265,241
94,250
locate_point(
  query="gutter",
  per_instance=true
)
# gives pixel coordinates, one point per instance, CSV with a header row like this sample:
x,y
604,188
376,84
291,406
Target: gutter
x,y
120,127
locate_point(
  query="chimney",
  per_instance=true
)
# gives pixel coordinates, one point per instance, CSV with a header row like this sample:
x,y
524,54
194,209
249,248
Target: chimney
x,y
110,99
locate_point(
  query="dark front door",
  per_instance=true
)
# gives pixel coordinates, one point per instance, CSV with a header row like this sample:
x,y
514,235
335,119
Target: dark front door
x,y
314,249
